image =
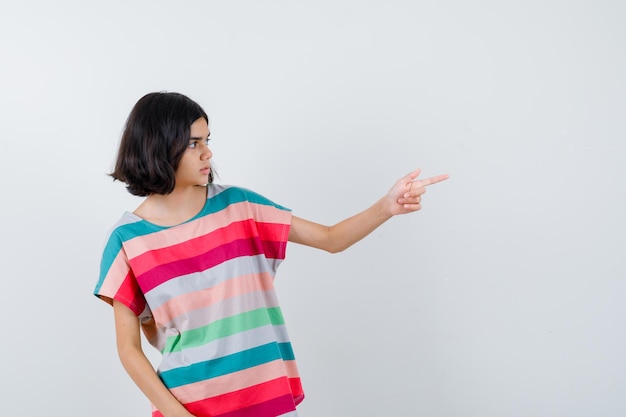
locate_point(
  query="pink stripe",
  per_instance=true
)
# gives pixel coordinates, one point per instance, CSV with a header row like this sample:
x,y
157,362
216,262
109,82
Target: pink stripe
x,y
190,248
292,369
228,383
270,233
198,300
115,276
188,231
164,273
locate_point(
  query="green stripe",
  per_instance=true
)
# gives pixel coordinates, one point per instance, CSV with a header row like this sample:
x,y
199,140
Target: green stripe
x,y
224,328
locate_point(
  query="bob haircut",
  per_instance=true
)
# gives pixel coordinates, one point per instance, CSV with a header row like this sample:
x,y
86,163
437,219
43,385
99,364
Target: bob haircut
x,y
155,137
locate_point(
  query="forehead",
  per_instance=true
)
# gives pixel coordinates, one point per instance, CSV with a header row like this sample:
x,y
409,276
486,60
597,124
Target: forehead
x,y
199,129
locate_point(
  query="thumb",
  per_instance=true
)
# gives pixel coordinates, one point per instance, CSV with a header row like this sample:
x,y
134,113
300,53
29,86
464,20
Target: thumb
x,y
412,175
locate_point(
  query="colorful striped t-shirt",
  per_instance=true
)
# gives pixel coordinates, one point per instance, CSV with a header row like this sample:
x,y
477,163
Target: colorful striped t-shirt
x,y
208,285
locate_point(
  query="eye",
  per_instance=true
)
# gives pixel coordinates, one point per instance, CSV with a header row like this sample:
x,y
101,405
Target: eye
x,y
195,142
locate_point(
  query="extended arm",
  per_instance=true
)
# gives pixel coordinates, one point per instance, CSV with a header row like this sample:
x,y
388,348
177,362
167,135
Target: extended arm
x,y
139,368
404,197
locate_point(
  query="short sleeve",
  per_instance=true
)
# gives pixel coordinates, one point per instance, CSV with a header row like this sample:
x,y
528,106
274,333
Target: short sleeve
x,y
117,281
272,221
273,224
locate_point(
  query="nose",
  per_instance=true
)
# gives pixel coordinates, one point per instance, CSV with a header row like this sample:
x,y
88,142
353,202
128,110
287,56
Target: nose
x,y
206,152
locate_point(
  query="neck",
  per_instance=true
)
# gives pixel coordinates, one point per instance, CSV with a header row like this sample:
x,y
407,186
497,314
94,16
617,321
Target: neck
x,y
174,208
179,197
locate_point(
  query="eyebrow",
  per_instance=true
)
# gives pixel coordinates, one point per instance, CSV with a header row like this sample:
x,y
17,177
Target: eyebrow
x,y
199,137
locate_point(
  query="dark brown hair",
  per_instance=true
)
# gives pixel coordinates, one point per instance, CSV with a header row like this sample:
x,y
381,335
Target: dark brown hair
x,y
155,137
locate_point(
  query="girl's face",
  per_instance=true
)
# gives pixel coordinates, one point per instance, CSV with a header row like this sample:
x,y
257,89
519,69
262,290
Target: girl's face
x,y
195,165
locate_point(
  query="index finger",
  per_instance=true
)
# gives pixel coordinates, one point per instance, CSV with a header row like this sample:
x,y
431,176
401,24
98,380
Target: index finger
x,y
432,180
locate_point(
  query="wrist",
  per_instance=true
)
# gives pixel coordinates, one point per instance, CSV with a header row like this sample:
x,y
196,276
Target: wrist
x,y
384,208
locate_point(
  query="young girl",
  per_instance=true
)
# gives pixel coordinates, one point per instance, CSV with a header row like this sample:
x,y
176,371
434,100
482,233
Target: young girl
x,y
193,267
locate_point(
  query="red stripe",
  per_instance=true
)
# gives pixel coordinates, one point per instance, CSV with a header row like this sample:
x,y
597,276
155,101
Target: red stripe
x,y
270,408
165,272
186,257
273,231
204,261
274,237
130,294
296,390
236,230
235,249
192,247
276,393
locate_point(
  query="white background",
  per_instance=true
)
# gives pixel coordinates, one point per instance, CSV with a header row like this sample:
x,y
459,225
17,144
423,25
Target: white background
x,y
504,296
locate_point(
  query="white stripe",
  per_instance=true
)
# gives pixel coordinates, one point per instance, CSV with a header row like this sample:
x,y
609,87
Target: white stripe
x,y
225,346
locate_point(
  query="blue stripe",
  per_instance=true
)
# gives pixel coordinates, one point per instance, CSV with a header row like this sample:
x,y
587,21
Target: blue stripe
x,y
225,365
286,351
